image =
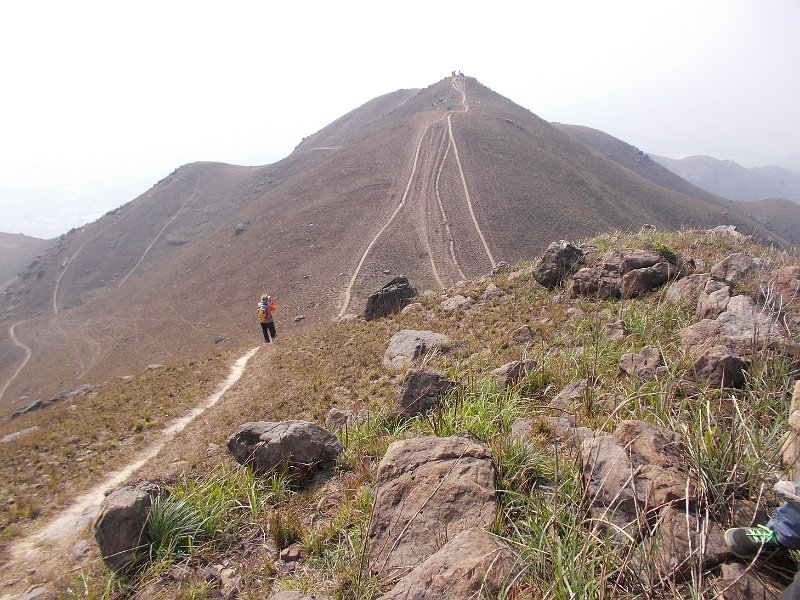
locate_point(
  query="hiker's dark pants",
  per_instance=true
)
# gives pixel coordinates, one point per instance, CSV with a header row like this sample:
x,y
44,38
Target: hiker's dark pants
x,y
793,591
268,329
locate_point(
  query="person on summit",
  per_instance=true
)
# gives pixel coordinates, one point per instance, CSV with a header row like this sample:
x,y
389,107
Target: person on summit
x,y
265,310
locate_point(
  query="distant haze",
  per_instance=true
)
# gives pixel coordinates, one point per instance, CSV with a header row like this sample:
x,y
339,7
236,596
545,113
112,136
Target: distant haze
x,y
103,99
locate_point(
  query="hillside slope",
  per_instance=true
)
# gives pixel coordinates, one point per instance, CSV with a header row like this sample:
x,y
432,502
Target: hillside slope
x,y
17,251
779,216
610,376
438,184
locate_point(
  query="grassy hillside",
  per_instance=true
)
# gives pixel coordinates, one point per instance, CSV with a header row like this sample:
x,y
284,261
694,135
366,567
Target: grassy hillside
x,y
732,437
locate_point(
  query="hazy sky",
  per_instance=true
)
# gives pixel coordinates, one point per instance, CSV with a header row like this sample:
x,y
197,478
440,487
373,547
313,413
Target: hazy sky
x,y
101,99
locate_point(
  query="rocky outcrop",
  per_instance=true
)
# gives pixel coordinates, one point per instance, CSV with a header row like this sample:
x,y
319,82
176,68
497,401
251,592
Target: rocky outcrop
x,y
474,564
624,273
120,524
557,263
422,391
408,345
713,299
722,347
300,446
513,373
639,468
59,397
390,299
428,490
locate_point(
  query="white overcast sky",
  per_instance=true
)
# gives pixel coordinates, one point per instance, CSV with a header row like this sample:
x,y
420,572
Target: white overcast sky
x,y
101,99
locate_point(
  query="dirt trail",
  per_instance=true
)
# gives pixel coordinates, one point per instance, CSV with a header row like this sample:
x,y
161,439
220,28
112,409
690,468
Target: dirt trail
x,y
25,349
461,173
158,235
46,546
432,180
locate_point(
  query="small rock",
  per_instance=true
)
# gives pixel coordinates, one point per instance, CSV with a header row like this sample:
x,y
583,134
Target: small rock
x,y
522,335
293,553
616,331
512,373
299,318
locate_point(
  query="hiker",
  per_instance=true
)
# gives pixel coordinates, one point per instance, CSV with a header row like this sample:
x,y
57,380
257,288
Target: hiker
x,y
781,533
265,310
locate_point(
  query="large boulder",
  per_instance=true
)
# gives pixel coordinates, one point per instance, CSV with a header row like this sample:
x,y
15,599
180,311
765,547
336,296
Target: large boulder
x,y
719,366
422,391
120,523
300,446
428,489
390,299
644,269
407,345
473,564
557,263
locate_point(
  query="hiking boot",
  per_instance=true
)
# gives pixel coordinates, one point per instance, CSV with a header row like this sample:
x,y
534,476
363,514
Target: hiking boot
x,y
747,542
788,492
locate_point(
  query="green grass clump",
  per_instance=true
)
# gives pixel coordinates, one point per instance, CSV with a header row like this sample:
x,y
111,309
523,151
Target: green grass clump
x,y
175,528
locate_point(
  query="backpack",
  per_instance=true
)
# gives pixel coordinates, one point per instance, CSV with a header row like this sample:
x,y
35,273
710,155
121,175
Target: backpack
x,y
262,313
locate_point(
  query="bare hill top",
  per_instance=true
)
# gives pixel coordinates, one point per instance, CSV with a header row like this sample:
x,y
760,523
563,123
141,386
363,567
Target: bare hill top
x,y
17,251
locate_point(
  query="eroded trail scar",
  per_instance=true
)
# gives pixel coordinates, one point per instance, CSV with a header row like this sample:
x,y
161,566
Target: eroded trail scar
x,y
158,235
463,179
76,517
12,334
448,233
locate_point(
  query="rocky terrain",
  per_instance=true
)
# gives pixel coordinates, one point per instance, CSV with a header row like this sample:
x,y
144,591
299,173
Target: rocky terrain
x,y
586,424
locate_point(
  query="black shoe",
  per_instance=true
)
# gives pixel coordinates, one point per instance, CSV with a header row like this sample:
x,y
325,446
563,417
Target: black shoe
x,y
748,542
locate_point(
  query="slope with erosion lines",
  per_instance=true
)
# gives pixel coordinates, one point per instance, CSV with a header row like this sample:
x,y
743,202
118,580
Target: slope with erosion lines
x,y
420,234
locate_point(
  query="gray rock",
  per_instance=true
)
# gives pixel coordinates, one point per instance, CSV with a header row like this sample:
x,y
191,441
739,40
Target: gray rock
x,y
719,366
683,542
428,490
687,289
513,373
453,302
390,299
640,281
572,396
299,445
474,564
784,288
557,263
422,391
606,280
616,331
500,268
737,582
645,364
735,268
120,523
713,299
407,345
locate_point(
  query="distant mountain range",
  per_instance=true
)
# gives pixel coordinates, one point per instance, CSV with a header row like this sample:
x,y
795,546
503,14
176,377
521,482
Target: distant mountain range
x,y
438,184
732,180
778,215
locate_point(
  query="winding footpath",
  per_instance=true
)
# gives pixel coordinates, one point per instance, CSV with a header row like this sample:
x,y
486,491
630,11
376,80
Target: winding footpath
x,y
347,295
12,334
46,544
158,235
